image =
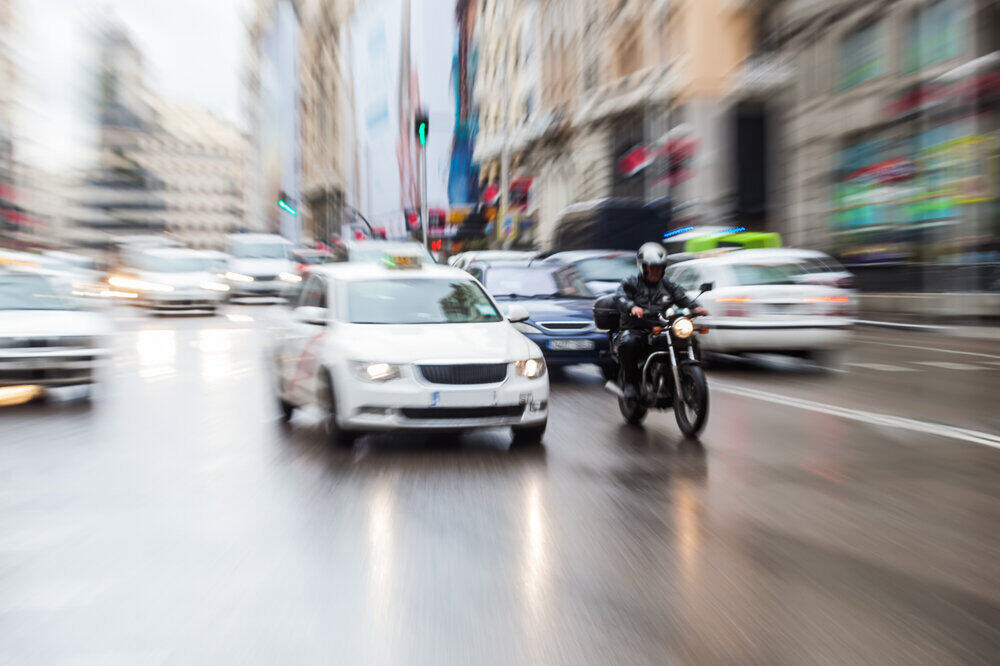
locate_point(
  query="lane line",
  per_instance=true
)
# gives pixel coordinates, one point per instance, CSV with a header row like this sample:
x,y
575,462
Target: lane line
x,y
883,367
945,351
948,365
871,418
893,324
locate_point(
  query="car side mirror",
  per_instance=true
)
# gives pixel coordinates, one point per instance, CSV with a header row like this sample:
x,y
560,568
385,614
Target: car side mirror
x,y
706,286
310,314
516,313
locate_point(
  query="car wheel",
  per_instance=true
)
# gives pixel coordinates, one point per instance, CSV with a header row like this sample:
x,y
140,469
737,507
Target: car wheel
x,y
338,436
286,408
529,435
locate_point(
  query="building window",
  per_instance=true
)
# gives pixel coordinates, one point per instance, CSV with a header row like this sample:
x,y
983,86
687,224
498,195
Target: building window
x,y
860,58
932,34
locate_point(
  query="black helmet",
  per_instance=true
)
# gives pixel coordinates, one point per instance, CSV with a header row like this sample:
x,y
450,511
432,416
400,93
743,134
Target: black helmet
x,y
650,254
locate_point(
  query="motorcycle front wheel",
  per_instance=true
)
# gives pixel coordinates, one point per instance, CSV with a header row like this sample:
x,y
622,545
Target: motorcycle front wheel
x,y
633,411
691,406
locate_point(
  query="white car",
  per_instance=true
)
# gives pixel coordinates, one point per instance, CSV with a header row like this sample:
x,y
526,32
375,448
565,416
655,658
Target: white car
x,y
817,267
757,304
46,339
408,348
260,265
172,279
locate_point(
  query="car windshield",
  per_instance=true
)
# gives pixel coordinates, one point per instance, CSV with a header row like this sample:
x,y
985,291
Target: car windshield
x,y
258,249
606,269
771,273
375,252
179,264
31,292
418,301
815,265
535,283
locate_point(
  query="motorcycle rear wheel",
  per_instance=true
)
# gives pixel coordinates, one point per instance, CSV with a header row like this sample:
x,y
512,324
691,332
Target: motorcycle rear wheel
x,y
691,406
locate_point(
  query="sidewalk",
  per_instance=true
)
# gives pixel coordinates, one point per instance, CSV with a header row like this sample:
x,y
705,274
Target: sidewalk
x,y
963,314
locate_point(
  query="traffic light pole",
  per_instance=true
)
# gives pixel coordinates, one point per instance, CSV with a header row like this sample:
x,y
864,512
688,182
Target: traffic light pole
x,y
423,193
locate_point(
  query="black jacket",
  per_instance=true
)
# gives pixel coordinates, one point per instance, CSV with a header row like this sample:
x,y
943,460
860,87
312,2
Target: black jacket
x,y
636,291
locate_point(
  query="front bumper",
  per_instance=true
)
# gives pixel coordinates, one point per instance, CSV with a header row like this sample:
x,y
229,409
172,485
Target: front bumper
x,y
409,403
180,301
50,367
598,353
259,289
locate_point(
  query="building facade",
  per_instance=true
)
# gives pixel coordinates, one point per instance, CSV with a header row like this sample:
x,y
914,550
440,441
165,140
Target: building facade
x,y
889,130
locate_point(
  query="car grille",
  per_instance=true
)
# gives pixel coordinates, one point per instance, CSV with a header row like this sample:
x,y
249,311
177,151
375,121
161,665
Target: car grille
x,y
565,325
467,373
461,412
36,343
265,278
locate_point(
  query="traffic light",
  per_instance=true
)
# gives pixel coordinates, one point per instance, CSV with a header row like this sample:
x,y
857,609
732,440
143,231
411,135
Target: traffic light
x,y
421,126
285,204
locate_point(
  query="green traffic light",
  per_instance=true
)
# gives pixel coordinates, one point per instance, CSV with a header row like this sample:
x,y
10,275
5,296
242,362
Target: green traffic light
x,y
422,133
285,207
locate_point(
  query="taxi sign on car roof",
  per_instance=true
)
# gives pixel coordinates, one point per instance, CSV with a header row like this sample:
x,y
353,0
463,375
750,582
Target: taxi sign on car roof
x,y
399,260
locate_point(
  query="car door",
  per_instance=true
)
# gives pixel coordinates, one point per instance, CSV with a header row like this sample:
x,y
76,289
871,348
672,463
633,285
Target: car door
x,y
309,326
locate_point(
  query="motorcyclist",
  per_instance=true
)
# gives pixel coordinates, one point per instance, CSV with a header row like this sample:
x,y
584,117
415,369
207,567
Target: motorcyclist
x,y
635,296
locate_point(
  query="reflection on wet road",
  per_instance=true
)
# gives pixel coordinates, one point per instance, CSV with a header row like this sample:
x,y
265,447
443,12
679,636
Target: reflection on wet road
x,y
176,521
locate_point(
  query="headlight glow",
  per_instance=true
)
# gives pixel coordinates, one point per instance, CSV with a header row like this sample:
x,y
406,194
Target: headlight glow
x,y
138,285
531,368
215,286
682,327
237,277
526,328
289,277
375,371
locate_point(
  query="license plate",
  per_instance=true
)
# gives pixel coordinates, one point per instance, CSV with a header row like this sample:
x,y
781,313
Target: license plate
x,y
463,398
571,345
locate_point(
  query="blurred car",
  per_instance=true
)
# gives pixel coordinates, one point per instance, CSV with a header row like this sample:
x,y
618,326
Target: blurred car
x,y
259,265
757,303
602,270
46,338
397,345
378,250
463,259
172,279
304,258
558,303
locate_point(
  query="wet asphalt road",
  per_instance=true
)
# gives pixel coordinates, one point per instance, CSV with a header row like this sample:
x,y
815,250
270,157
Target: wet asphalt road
x,y
824,518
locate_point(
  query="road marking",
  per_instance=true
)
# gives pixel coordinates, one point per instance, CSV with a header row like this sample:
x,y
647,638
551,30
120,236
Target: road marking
x,y
948,365
936,349
893,324
871,418
883,367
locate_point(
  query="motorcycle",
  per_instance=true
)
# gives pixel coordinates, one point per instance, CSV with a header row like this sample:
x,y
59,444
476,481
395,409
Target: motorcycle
x,y
671,374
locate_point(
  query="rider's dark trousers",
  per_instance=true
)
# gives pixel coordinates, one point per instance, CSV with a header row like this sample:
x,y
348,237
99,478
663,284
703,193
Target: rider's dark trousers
x,y
632,348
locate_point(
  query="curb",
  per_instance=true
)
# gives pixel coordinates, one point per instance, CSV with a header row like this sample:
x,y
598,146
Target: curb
x,y
975,332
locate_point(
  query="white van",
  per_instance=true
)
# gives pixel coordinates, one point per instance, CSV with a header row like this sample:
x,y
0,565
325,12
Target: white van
x,y
259,265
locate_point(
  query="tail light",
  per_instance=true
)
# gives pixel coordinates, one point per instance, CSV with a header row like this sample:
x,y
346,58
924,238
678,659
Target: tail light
x,y
846,282
839,306
734,306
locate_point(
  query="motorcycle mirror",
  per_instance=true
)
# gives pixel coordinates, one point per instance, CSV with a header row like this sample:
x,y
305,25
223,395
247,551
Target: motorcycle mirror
x,y
706,286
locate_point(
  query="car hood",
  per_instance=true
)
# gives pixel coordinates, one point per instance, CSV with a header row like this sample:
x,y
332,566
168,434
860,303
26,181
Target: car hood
x,y
178,280
554,309
256,267
445,343
53,323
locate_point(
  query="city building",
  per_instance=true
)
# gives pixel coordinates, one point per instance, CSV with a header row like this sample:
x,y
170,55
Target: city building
x,y
323,98
888,133
199,160
10,211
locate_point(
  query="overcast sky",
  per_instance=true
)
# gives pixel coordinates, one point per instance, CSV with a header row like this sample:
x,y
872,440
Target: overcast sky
x,y
193,48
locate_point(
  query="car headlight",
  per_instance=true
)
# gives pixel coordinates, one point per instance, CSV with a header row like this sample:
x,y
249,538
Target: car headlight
x,y
526,328
682,327
237,277
215,286
375,371
532,368
137,285
289,277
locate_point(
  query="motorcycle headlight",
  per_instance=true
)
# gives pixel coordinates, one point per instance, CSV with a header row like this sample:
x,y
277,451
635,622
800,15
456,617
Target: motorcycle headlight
x,y
532,368
238,277
682,327
375,371
215,286
137,285
526,328
289,277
